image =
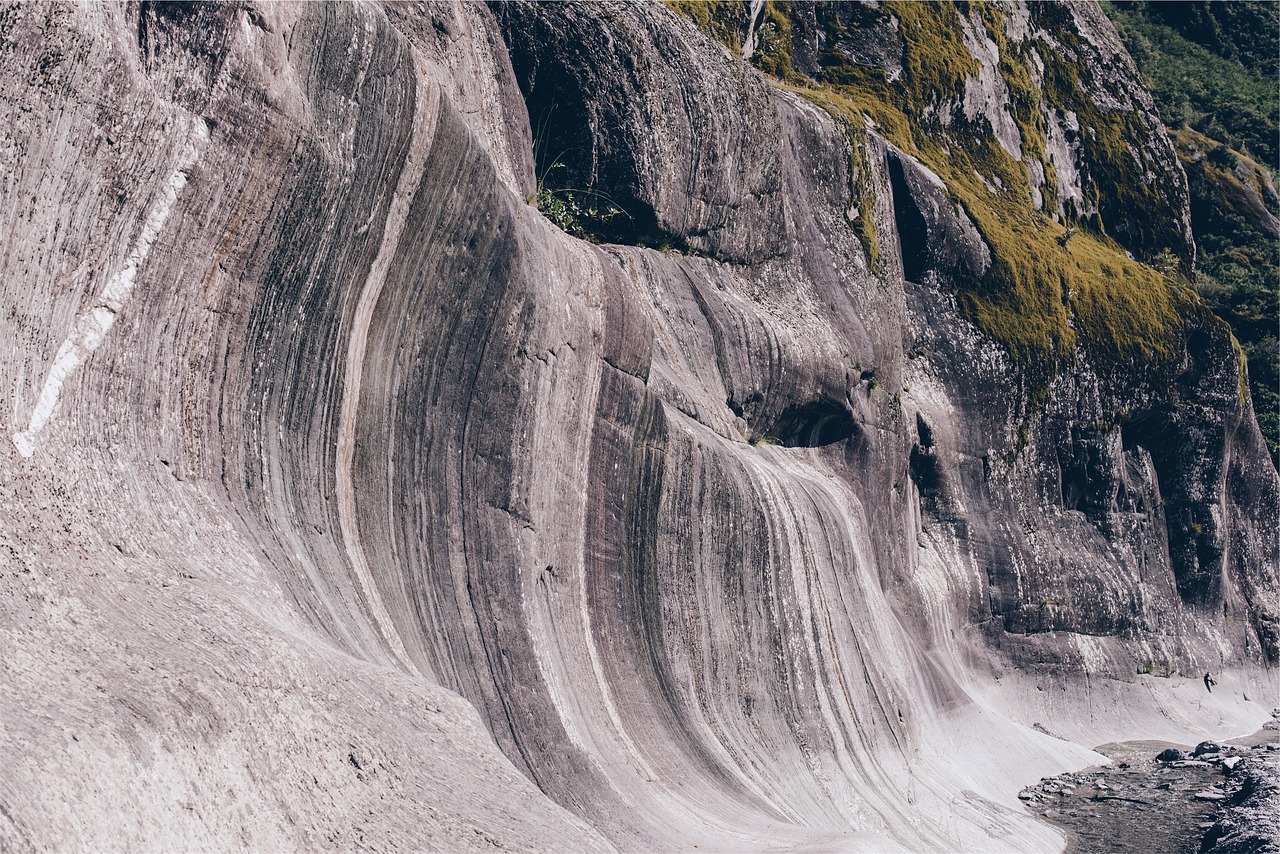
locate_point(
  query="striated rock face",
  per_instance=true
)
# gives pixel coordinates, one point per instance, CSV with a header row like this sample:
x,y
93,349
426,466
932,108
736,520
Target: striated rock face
x,y
349,502
620,100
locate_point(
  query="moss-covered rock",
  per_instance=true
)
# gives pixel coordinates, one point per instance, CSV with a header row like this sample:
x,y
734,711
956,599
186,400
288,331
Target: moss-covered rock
x,y
975,92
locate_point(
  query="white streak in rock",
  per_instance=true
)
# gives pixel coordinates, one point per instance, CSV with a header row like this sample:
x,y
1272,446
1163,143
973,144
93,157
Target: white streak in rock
x,y
749,43
987,95
92,325
424,121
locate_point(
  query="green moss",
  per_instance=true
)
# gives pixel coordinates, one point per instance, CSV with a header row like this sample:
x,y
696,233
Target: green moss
x,y
1107,142
1025,99
723,20
935,61
1048,290
773,41
862,191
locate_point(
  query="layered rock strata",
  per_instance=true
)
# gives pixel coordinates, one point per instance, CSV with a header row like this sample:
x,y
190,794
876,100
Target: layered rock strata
x,y
349,502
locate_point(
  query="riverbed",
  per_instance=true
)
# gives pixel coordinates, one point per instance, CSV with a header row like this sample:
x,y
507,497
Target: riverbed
x,y
1138,804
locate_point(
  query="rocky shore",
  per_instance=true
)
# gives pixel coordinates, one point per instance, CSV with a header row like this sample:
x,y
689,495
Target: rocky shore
x,y
1211,799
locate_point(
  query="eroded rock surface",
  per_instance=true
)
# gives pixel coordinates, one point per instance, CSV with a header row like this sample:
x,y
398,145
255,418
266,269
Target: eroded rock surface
x,y
1248,820
350,502
1219,797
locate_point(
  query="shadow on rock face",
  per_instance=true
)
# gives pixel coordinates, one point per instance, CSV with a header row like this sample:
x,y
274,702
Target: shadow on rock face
x,y
935,234
813,425
184,46
617,107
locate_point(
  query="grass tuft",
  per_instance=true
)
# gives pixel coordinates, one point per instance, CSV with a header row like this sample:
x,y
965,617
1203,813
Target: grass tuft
x,y
1053,286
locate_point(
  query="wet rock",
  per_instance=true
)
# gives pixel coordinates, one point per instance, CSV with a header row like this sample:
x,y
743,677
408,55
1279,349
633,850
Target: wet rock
x,y
1115,811
1209,796
1207,747
1249,822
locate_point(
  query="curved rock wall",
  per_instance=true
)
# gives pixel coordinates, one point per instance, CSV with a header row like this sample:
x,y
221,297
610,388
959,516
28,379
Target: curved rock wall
x,y
350,502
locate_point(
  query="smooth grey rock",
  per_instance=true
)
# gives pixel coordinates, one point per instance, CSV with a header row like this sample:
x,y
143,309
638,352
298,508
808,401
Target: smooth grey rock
x,y
350,503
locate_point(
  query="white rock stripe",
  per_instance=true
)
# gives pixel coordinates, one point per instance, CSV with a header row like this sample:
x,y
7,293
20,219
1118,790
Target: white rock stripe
x,y
426,104
749,43
92,324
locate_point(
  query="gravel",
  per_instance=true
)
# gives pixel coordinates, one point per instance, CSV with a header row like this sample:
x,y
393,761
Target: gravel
x,y
1227,801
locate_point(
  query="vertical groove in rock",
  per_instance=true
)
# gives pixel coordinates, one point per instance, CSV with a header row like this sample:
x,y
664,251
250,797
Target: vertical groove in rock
x,y
426,105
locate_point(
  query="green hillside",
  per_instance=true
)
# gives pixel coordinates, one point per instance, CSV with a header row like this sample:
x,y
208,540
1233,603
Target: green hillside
x,y
1212,68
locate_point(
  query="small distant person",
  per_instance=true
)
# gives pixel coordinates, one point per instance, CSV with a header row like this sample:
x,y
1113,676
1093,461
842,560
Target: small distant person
x,y
1209,682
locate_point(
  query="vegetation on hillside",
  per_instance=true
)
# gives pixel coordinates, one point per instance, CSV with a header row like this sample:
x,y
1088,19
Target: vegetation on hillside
x,y
1210,66
1057,282
1214,69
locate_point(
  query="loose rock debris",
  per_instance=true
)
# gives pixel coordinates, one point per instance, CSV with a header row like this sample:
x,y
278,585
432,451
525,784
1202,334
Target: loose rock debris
x,y
1219,798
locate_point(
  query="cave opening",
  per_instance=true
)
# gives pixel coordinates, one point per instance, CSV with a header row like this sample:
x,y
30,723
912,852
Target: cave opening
x,y
814,424
587,180
913,230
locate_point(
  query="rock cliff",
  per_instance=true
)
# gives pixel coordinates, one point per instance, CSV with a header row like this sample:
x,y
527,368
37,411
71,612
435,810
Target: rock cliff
x,y
849,483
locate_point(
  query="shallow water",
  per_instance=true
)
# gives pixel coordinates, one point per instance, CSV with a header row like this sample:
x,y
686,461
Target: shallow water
x,y
1137,805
